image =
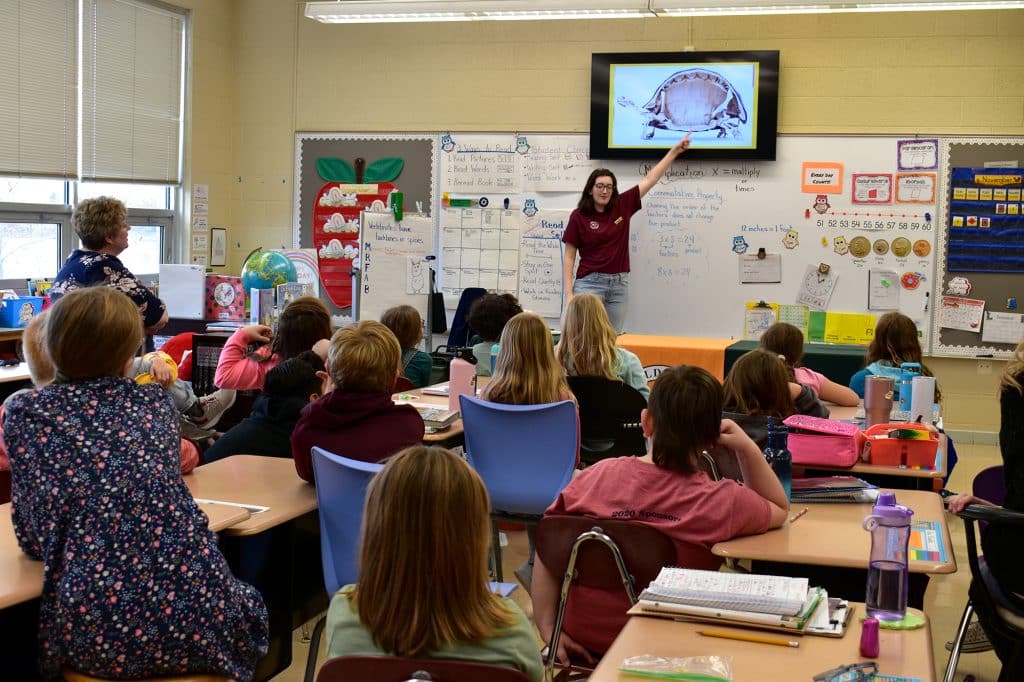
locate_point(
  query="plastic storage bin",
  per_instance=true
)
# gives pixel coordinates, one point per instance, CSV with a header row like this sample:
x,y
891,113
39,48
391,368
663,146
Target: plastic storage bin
x,y
909,452
16,312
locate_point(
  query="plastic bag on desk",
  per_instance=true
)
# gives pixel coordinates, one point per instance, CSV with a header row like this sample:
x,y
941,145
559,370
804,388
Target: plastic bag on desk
x,y
703,668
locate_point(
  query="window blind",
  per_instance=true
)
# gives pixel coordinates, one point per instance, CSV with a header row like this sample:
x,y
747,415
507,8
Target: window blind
x,y
38,99
132,56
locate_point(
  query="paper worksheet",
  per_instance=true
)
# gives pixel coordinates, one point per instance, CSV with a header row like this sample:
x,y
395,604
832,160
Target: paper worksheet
x,y
1002,327
883,290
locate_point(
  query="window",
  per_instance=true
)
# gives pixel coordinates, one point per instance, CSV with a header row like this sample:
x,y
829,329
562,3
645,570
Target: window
x,y
94,107
29,250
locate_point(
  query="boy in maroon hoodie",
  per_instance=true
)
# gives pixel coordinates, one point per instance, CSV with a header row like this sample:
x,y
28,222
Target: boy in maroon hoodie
x,y
356,418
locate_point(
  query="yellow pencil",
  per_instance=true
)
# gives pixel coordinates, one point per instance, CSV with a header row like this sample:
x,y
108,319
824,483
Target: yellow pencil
x,y
743,637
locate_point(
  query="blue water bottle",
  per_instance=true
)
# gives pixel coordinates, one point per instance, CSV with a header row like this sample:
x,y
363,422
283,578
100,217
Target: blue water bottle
x,y
778,456
888,574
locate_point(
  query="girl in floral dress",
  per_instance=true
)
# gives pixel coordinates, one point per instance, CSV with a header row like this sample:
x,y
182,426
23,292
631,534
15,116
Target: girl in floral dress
x,y
135,585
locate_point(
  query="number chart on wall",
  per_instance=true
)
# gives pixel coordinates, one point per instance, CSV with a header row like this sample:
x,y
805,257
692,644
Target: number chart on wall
x,y
837,224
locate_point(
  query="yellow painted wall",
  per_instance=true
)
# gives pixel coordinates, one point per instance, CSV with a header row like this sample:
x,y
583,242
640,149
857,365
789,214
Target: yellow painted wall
x,y
263,72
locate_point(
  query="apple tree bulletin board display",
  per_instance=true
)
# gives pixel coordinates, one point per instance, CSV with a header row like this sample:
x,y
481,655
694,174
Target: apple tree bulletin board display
x,y
337,175
979,297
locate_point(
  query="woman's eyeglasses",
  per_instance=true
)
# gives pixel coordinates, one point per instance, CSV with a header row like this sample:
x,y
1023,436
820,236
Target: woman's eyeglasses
x,y
601,187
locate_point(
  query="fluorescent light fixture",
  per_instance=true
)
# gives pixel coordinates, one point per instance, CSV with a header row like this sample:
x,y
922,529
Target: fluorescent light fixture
x,y
406,11
698,8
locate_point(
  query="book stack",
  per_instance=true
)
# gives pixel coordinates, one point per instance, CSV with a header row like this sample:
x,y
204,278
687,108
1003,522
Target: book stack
x,y
767,601
435,417
833,489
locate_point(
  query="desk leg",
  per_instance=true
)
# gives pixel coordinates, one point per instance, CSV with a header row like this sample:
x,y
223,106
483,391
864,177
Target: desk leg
x,y
283,563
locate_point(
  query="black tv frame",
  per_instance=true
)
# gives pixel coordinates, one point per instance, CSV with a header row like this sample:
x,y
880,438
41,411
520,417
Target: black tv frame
x,y
767,102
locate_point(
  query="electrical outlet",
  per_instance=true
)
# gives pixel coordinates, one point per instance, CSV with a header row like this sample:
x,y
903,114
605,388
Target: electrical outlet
x,y
984,366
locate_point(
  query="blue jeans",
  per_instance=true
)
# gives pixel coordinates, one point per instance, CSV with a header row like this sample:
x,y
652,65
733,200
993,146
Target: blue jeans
x,y
611,289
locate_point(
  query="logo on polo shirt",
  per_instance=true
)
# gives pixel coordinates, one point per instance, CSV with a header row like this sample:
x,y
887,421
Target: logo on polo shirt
x,y
594,224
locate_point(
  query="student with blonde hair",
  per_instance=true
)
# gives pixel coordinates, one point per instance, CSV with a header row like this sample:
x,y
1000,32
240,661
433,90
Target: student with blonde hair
x,y
103,489
787,341
356,417
587,347
526,371
422,589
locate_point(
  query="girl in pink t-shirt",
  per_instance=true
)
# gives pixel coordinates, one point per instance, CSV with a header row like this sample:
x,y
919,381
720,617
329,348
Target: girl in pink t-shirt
x,y
664,489
303,325
787,341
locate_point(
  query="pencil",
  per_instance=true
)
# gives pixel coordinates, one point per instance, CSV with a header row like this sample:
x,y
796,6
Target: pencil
x,y
796,516
743,637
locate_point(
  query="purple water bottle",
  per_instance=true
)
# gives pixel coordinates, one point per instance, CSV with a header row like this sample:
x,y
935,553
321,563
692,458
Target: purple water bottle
x,y
889,525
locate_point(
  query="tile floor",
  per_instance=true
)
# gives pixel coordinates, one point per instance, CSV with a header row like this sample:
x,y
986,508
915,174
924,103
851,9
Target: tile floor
x,y
944,601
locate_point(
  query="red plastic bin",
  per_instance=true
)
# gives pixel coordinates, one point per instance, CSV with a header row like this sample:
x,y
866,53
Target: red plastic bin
x,y
911,453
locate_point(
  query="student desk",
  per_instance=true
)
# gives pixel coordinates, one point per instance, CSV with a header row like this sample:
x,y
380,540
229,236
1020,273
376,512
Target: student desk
x,y
837,361
17,373
277,550
253,481
907,652
453,435
830,534
669,351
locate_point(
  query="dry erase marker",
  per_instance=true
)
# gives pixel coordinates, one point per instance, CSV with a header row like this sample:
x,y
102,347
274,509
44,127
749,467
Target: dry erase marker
x,y
796,516
743,637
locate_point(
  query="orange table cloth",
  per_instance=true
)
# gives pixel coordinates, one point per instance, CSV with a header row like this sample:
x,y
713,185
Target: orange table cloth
x,y
658,352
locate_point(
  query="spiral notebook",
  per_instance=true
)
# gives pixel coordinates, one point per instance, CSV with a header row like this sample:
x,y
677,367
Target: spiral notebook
x,y
768,594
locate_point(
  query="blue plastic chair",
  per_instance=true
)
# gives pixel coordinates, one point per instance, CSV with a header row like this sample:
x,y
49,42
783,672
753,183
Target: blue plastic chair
x,y
341,494
525,455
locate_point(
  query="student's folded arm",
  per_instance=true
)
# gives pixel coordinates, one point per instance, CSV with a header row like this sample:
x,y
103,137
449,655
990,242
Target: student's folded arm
x,y
838,394
757,474
234,369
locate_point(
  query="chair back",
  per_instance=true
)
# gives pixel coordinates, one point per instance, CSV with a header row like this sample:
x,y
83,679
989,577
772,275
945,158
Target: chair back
x,y
644,549
609,418
720,463
394,669
460,332
990,484
340,492
75,676
525,454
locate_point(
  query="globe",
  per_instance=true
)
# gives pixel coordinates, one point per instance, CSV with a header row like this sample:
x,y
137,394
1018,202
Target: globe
x,y
267,269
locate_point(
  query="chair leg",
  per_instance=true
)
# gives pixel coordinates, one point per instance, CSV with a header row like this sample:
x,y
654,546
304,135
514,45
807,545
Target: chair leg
x,y
496,552
961,632
314,648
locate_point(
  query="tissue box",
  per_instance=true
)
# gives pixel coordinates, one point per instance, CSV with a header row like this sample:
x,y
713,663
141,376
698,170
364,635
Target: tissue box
x,y
16,312
225,299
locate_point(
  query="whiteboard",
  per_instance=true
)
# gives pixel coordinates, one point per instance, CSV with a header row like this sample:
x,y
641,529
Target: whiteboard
x,y
394,266
685,276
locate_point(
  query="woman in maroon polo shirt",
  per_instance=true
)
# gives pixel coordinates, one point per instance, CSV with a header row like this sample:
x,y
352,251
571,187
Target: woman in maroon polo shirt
x,y
598,231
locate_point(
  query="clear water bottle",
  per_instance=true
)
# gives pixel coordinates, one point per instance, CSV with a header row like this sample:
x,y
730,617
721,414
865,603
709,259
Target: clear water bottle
x,y
778,456
494,356
889,525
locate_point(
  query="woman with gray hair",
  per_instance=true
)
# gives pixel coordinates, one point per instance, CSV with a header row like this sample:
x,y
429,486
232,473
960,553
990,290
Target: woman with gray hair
x,y
102,226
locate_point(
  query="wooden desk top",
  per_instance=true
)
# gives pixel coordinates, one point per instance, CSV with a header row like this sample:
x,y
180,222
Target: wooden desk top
x,y
17,373
906,652
418,397
21,578
257,482
830,534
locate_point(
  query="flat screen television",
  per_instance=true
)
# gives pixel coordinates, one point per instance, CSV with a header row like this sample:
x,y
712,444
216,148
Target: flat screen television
x,y
642,103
